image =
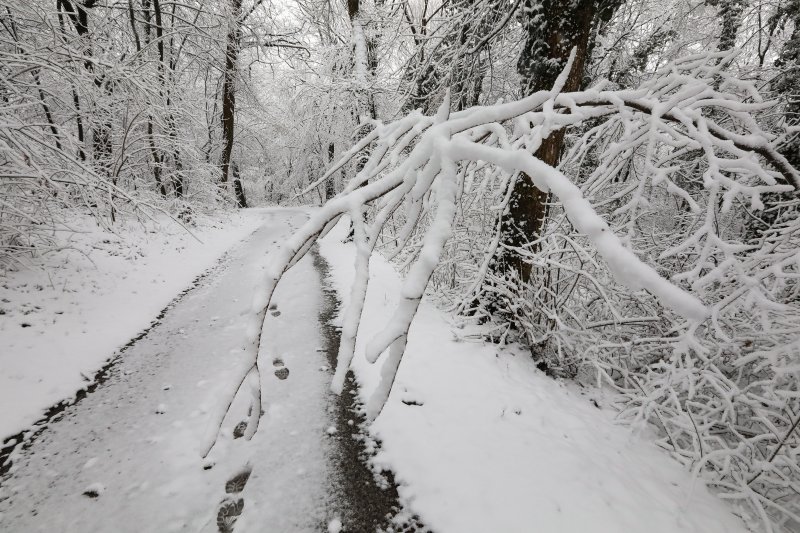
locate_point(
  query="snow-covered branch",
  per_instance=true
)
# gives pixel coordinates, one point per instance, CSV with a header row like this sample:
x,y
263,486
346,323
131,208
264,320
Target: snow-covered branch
x,y
414,162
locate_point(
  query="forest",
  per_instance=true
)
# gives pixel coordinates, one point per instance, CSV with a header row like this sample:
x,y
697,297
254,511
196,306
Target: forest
x,y
609,187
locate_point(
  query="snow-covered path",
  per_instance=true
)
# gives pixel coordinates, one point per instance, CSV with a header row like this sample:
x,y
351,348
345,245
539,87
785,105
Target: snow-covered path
x,y
128,457
478,439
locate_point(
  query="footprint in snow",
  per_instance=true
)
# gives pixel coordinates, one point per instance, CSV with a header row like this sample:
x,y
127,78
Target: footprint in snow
x,y
236,484
229,511
281,372
230,508
240,429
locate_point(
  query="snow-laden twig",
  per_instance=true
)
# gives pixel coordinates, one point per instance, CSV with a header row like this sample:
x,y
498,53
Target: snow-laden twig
x,y
414,160
657,305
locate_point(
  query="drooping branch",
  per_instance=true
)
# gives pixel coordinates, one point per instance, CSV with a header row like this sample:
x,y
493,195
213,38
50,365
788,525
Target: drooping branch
x,y
413,167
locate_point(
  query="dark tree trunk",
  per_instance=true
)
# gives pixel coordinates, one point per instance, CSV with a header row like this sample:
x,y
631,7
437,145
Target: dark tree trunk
x,y
353,8
164,92
101,134
229,87
330,186
553,28
75,98
365,101
788,83
46,108
782,206
156,159
79,123
238,189
730,13
150,127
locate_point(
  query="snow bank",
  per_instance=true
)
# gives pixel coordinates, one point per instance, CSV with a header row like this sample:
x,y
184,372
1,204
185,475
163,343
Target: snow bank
x,y
61,319
480,440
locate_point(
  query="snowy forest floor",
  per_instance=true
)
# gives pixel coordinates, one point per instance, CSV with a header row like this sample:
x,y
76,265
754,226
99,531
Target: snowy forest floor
x,y
475,437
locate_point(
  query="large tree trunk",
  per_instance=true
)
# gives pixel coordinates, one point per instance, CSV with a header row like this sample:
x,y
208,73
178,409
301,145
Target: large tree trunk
x,y
229,86
365,100
553,28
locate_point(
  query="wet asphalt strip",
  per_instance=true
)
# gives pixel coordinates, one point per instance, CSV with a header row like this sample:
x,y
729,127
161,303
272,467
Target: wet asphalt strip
x,y
367,501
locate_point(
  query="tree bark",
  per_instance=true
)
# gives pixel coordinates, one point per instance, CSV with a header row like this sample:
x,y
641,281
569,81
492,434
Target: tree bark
x,y
229,87
238,189
365,100
330,184
553,28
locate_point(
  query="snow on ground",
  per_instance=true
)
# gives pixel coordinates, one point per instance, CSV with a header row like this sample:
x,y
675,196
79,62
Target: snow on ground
x,y
480,440
72,309
127,458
